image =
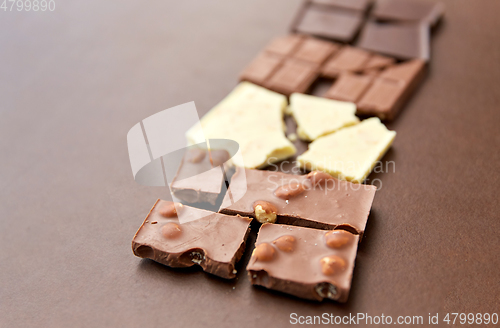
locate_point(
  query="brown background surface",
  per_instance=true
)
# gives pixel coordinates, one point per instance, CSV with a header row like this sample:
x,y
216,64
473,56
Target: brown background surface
x,y
72,83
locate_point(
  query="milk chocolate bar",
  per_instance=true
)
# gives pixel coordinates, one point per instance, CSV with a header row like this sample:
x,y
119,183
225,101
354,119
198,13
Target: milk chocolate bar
x,y
201,176
315,200
289,64
308,263
182,236
392,89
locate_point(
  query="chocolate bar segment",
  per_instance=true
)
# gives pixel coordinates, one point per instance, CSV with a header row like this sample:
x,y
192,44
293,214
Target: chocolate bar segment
x,y
392,89
307,263
261,68
200,177
211,240
403,41
408,10
348,59
378,62
315,51
349,87
293,76
285,45
337,24
315,200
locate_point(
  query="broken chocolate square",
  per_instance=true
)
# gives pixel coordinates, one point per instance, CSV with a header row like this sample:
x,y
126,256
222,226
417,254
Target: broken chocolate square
x,y
180,236
308,263
200,177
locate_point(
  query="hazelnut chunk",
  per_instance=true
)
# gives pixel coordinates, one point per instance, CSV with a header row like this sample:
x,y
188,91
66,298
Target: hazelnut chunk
x,y
265,211
171,230
338,238
317,177
285,243
263,252
332,264
290,190
169,209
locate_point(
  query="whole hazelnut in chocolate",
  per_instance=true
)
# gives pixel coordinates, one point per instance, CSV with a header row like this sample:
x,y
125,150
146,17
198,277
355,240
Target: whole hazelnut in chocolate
x,y
265,211
168,209
263,252
317,177
171,230
285,243
332,264
290,190
338,238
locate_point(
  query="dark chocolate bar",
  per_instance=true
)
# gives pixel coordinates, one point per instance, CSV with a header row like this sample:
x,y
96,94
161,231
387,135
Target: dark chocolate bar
x,y
314,200
402,41
331,22
408,11
308,263
182,236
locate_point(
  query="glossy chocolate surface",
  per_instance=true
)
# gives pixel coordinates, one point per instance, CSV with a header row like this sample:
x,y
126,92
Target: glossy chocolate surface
x,y
211,240
336,204
308,263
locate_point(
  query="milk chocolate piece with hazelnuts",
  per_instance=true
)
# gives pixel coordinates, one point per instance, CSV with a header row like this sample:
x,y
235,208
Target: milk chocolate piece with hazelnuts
x,y
200,176
314,200
308,263
182,236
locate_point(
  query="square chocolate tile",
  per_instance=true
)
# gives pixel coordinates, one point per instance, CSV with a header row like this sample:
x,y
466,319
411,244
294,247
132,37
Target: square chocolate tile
x,y
315,51
293,76
349,87
336,24
403,41
261,68
348,59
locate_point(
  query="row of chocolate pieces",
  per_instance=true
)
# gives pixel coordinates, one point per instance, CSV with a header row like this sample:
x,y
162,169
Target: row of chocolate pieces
x,y
392,27
181,236
379,73
377,84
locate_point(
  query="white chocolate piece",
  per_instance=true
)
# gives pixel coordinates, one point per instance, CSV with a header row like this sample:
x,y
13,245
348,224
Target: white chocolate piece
x,y
317,117
351,153
253,117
